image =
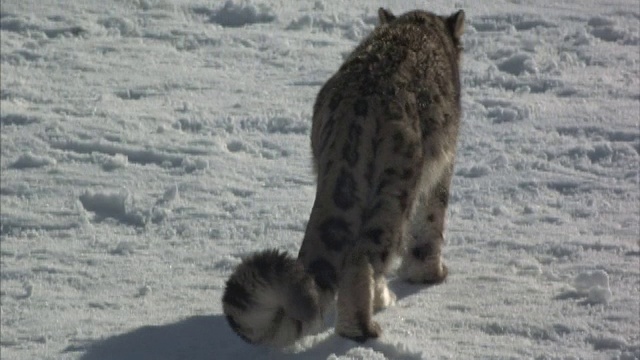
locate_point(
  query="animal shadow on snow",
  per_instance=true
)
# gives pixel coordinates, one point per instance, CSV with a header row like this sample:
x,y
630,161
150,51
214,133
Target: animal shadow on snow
x,y
197,337
210,337
403,289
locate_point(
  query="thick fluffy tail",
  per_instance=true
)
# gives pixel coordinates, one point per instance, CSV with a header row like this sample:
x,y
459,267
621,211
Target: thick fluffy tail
x,y
271,300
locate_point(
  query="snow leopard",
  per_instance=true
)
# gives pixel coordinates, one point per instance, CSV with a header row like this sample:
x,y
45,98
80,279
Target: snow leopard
x,y
383,139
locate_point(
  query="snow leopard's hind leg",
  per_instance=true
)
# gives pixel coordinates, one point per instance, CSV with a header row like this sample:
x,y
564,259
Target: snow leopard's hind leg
x,y
424,239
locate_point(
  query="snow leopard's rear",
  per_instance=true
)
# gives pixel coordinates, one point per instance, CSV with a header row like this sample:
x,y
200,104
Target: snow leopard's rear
x,y
383,139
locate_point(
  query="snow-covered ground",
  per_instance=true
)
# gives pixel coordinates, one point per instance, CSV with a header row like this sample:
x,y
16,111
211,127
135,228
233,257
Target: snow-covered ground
x,y
148,145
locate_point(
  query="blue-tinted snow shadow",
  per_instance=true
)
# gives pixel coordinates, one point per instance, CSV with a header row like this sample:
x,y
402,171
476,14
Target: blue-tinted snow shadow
x,y
210,337
403,289
197,337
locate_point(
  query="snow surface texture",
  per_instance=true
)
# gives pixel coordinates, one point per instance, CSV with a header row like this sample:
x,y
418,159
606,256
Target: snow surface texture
x,y
148,145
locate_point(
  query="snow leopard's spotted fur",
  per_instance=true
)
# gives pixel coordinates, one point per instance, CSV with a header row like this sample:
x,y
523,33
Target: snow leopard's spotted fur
x,y
383,140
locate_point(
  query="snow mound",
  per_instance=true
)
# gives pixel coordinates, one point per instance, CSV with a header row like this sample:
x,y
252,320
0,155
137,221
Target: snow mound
x,y
606,29
38,29
120,26
501,111
519,64
29,160
359,354
232,14
590,286
134,154
609,33
519,22
502,115
111,163
587,280
595,285
353,29
607,342
272,124
328,345
190,164
115,205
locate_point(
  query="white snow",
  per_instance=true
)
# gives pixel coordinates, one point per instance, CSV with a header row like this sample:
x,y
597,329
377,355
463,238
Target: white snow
x,y
148,145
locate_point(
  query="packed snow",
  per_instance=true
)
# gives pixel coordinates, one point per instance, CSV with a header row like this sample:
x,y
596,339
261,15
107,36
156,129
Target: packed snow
x,y
149,145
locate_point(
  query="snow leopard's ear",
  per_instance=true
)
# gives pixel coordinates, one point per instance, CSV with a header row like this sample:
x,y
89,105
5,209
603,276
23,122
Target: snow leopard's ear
x,y
385,16
455,24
